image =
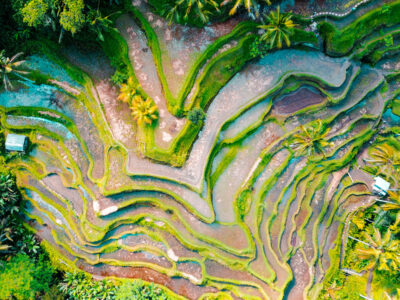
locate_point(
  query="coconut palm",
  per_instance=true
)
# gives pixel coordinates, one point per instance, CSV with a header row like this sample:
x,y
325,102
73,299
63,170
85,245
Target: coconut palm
x,y
248,4
380,253
310,140
128,90
331,291
144,111
9,66
182,10
386,158
394,203
395,227
278,29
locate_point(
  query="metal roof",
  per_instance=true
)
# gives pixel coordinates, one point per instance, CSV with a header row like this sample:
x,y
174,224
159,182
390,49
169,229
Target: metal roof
x,y
381,186
382,183
16,142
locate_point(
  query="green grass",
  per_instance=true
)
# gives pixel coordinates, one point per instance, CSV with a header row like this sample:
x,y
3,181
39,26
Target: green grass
x,y
396,107
220,70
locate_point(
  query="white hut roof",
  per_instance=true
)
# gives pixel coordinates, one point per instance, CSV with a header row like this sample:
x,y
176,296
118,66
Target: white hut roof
x,y
381,184
16,142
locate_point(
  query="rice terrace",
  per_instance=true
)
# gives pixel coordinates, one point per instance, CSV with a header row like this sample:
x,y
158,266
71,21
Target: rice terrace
x,y
200,149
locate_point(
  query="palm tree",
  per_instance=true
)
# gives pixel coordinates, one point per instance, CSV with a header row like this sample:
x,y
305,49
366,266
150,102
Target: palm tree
x,y
9,66
331,291
128,90
379,253
311,139
279,28
248,4
395,204
184,9
386,158
395,227
144,111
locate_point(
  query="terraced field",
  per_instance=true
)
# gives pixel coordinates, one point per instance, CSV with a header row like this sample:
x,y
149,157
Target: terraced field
x,y
235,209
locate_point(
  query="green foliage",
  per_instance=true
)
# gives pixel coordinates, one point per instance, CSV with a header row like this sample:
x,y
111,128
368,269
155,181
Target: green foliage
x,y
219,296
63,15
2,142
24,278
396,107
341,42
248,4
78,286
13,235
10,68
119,77
144,111
243,203
388,40
222,68
196,115
301,36
34,12
388,281
259,48
139,290
310,140
98,24
192,12
9,208
278,29
72,18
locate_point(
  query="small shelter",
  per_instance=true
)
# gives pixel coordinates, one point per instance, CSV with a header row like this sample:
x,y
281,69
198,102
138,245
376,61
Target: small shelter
x,y
16,142
380,186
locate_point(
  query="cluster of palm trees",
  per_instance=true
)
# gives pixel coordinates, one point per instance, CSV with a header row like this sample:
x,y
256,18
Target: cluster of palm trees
x,y
278,26
379,248
144,111
377,252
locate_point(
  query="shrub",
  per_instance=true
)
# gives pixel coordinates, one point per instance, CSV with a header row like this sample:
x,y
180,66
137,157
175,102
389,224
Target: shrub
x,y
78,285
9,209
259,48
243,203
25,278
139,290
196,115
119,77
2,142
341,42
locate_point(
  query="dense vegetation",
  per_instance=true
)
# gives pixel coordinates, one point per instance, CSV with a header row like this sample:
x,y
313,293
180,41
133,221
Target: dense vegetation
x,y
373,239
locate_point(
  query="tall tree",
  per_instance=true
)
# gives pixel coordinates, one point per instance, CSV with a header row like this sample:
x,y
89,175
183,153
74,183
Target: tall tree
x,y
68,13
128,90
278,29
310,140
248,4
386,158
10,67
379,253
187,11
144,111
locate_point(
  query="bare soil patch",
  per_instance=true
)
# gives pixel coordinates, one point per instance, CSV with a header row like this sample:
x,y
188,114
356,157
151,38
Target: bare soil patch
x,y
302,98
